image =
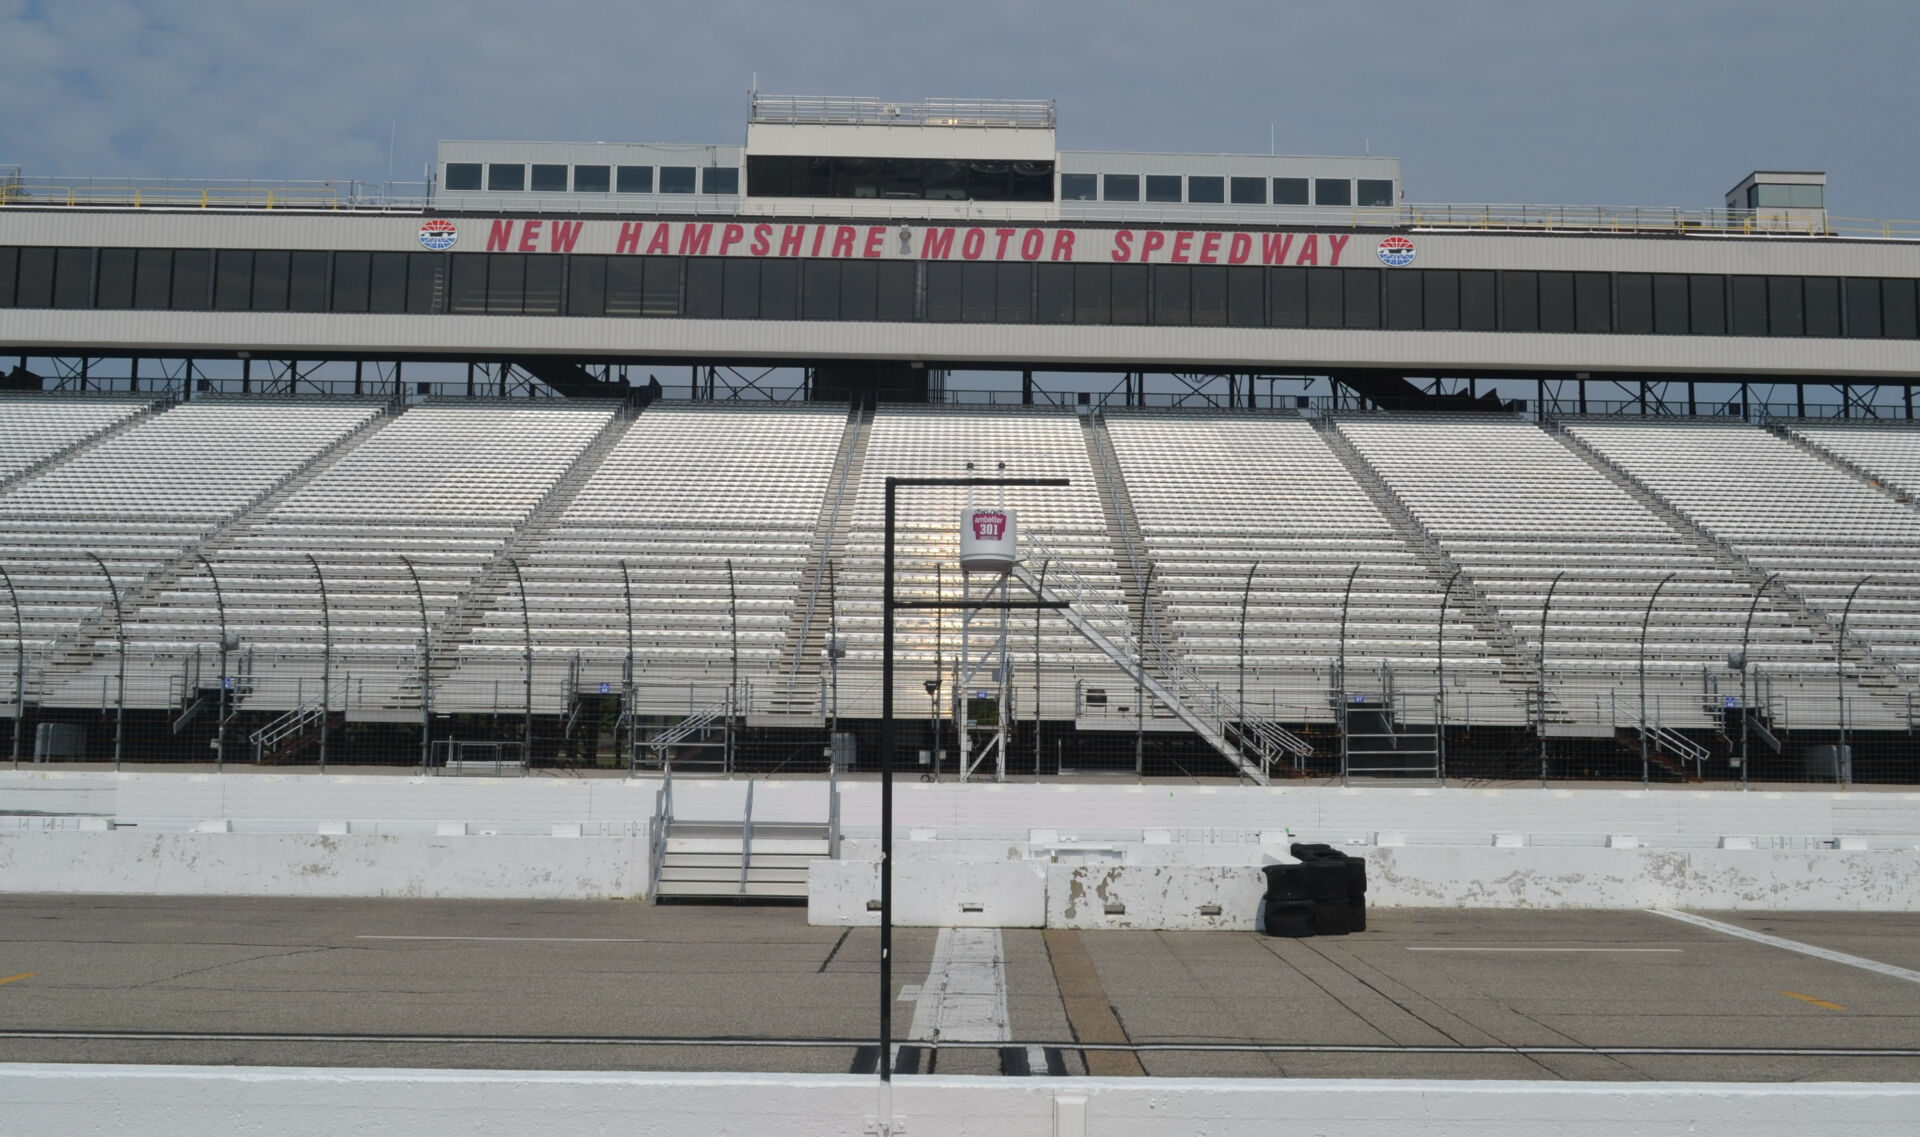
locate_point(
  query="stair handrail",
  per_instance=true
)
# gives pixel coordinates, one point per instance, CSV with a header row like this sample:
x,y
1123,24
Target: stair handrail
x,y
662,821
1199,694
287,724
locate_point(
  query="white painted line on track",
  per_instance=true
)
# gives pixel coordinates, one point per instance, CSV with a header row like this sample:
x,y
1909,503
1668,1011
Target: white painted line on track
x,y
515,939
1860,962
1623,950
965,996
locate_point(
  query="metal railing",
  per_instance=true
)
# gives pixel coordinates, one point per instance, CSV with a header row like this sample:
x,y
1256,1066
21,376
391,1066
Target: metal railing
x,y
1035,114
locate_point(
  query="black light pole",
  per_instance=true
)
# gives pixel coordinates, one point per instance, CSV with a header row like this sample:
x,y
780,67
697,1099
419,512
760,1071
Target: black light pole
x,y
1346,600
887,607
426,666
1440,660
1746,728
626,591
326,662
1843,758
526,633
20,665
120,645
220,729
1646,770
1540,697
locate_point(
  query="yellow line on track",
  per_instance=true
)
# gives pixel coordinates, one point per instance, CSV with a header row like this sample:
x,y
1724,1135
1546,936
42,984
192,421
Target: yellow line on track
x,y
1814,1001
6,979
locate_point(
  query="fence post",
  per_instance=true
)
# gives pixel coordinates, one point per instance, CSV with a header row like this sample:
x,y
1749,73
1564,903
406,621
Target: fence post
x,y
426,666
19,665
526,631
326,663
1440,661
220,728
626,591
1843,757
1346,600
1540,696
120,645
1646,773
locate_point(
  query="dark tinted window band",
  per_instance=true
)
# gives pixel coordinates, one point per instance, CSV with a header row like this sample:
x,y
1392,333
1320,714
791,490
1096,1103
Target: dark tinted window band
x,y
738,288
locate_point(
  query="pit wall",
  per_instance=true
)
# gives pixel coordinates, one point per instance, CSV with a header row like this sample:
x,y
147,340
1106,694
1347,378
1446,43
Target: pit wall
x,y
188,1101
1012,855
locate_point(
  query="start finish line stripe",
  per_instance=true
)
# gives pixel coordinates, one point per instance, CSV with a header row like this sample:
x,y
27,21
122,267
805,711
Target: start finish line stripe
x,y
1860,962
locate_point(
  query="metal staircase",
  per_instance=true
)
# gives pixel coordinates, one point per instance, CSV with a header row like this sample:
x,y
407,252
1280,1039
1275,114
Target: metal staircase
x,y
797,702
1256,746
737,860
1137,580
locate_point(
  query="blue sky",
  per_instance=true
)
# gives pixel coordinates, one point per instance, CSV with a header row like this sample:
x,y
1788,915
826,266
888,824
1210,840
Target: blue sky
x,y
1627,102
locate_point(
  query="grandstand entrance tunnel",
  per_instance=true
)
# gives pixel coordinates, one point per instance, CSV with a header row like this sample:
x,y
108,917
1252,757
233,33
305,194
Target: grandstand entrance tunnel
x,y
584,736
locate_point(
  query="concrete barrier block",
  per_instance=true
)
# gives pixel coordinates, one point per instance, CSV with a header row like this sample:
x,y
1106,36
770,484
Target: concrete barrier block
x,y
566,829
930,894
1509,840
335,828
1171,897
218,825
450,829
1622,841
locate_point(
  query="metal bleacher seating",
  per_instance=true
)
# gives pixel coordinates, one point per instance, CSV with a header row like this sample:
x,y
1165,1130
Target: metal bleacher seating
x,y
35,427
686,489
444,485
1216,492
1888,451
1515,509
142,499
1785,510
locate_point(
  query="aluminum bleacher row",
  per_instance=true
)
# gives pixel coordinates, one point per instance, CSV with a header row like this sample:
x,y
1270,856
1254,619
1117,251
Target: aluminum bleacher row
x,y
445,486
569,493
1786,511
685,490
1217,494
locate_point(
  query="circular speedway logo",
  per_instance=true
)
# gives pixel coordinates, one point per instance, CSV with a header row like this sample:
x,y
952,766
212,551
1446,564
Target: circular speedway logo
x,y
1396,252
439,235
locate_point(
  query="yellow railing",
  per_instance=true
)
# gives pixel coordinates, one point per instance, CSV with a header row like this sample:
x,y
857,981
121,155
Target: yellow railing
x,y
1590,219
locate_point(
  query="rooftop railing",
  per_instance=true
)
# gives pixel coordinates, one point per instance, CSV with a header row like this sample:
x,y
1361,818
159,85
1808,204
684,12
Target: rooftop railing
x,y
1031,114
415,197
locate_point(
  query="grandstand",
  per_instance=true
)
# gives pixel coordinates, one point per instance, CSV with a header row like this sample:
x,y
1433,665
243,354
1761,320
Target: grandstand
x,y
579,453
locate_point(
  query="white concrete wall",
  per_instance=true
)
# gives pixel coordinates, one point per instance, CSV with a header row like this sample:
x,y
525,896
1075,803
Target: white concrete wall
x,y
188,1101
127,861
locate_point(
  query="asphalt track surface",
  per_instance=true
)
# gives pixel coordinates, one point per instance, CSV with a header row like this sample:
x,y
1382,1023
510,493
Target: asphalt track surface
x,y
624,986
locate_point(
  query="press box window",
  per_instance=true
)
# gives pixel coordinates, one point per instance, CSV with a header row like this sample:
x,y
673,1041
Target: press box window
x,y
1079,187
506,176
1207,190
549,179
591,179
635,179
1376,193
1289,191
463,175
718,179
1332,191
1248,191
1121,187
1163,187
1785,197
676,179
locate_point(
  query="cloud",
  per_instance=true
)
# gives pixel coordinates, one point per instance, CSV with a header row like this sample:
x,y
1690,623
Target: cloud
x,y
1635,101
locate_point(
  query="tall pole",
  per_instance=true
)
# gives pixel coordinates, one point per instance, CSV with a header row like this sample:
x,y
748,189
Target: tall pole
x,y
326,663
1440,660
1646,770
626,693
1040,594
426,666
1346,600
120,646
526,635
939,665
220,729
1843,758
19,665
886,810
835,649
1540,695
733,682
1746,637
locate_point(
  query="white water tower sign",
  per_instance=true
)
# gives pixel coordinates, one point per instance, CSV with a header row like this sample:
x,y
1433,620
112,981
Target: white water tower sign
x,y
988,539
